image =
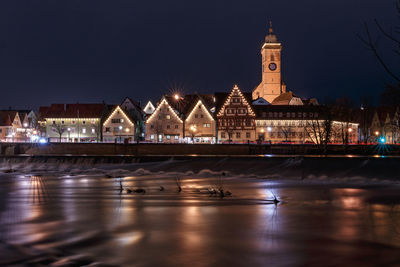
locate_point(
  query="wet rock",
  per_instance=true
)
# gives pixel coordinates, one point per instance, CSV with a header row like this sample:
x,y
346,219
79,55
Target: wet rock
x,y
140,190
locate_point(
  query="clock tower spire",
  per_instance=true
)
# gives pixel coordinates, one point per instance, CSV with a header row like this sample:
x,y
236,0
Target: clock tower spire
x,y
271,85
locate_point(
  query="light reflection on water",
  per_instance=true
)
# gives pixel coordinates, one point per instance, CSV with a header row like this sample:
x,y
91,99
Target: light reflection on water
x,y
88,215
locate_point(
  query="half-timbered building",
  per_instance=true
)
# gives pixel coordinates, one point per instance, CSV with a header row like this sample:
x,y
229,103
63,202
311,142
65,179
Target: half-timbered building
x,y
235,117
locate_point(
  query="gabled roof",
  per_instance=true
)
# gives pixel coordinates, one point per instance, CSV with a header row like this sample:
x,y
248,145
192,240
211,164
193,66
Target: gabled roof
x,y
7,117
121,110
73,111
176,108
147,108
221,98
260,101
284,98
193,100
136,104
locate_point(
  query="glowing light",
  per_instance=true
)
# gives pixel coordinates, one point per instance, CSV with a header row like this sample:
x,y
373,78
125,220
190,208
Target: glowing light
x,y
193,128
42,140
163,101
118,108
127,130
376,133
350,130
69,129
262,130
382,140
25,124
196,108
227,101
120,127
269,129
176,96
34,132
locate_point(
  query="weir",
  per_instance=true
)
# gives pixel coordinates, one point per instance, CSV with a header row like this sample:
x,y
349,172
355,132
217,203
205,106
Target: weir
x,y
100,149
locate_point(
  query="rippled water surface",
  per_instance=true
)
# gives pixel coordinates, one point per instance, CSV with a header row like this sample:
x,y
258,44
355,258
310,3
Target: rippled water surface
x,y
84,219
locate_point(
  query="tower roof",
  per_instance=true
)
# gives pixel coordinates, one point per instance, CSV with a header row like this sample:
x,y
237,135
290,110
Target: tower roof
x,y
271,36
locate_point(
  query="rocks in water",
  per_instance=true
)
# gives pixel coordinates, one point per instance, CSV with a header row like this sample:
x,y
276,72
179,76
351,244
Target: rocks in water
x,y
139,190
212,191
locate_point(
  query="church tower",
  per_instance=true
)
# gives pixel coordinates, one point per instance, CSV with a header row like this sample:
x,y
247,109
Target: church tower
x,y
271,85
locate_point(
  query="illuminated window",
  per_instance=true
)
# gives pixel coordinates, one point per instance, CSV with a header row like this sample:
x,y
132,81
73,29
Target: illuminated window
x,y
93,121
206,125
176,137
93,130
168,117
152,137
168,137
83,130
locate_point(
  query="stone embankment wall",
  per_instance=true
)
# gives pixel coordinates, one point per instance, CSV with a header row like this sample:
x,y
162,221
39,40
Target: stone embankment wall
x,y
189,149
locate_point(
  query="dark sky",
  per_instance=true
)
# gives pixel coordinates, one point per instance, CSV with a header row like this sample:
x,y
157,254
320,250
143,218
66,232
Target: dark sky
x,y
88,51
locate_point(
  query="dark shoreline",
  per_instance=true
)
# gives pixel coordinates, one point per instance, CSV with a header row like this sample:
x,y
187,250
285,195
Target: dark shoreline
x,y
152,149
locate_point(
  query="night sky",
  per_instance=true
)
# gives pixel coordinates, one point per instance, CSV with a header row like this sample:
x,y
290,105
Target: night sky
x,y
89,51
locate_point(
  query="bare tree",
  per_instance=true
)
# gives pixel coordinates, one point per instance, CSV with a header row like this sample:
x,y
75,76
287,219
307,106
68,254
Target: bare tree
x,y
59,129
343,110
286,131
392,36
319,129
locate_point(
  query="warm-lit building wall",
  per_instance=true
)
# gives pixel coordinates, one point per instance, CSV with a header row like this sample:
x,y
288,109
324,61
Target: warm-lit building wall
x,y
200,125
73,129
164,125
301,131
118,127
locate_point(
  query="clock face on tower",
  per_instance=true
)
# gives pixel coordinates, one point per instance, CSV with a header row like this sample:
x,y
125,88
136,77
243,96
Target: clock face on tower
x,y
272,66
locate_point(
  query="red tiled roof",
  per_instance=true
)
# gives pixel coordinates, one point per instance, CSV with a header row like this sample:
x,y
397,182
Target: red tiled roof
x,y
7,117
73,111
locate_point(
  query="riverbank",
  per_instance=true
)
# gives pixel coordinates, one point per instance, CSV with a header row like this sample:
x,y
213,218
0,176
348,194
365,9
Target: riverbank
x,y
192,149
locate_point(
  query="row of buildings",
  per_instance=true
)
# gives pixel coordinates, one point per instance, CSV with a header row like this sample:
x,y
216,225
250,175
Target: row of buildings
x,y
270,113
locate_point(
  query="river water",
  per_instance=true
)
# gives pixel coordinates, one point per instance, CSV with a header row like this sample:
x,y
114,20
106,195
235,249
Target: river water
x,y
70,218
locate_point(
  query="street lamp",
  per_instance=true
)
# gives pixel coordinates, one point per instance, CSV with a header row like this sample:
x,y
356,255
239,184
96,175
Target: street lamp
x,y
376,133
350,130
69,131
193,130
